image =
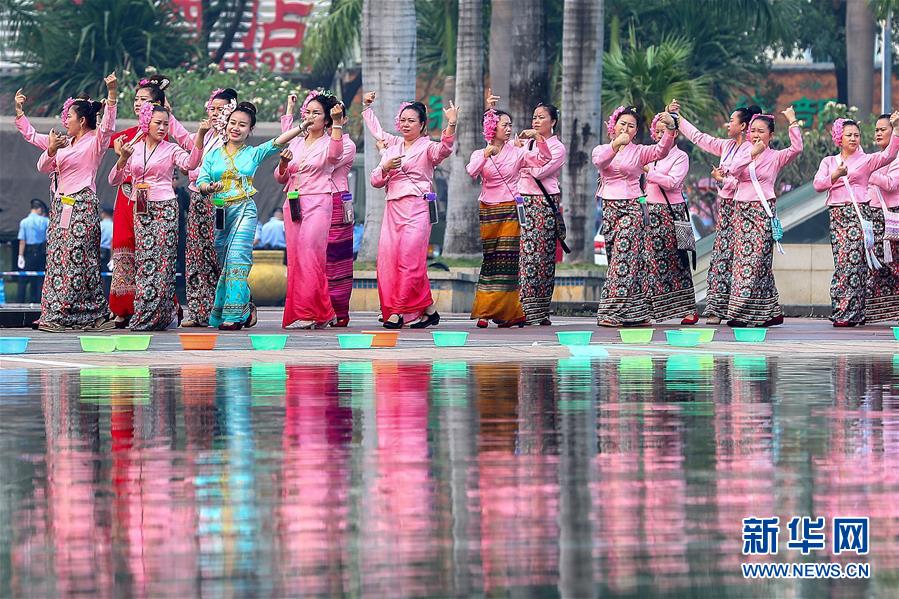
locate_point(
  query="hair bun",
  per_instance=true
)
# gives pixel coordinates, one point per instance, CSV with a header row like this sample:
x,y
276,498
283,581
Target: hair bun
x,y
246,106
160,81
753,110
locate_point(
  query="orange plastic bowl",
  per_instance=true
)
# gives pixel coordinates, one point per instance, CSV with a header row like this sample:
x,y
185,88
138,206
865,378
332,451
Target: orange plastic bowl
x,y
198,340
383,338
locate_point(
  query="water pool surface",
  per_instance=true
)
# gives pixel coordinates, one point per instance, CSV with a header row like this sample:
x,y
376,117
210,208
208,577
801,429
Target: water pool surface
x,y
627,477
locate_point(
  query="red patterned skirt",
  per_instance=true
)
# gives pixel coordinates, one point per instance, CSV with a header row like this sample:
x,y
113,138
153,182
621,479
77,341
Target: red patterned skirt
x,y
624,298
720,265
72,295
669,280
753,295
121,291
883,284
850,269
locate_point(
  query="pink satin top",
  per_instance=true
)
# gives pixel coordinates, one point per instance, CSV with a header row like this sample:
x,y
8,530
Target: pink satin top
x,y
156,167
500,173
726,148
886,181
860,167
547,173
311,168
667,174
78,162
621,171
768,165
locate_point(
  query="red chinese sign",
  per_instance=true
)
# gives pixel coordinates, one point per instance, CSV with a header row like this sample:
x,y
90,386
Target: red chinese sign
x,y
270,32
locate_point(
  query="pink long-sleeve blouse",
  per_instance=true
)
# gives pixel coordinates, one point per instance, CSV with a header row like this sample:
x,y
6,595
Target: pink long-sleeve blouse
x,y
341,173
860,167
886,181
155,167
415,176
768,165
500,173
312,166
726,148
621,171
667,174
547,173
26,129
77,163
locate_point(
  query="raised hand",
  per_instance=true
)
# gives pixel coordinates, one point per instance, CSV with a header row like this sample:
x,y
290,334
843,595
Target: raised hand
x,y
667,119
490,150
393,163
840,171
56,141
717,174
789,113
126,150
336,111
381,145
368,98
757,148
451,113
205,125
20,101
112,84
286,155
491,99
291,103
528,134
894,120
673,106
620,141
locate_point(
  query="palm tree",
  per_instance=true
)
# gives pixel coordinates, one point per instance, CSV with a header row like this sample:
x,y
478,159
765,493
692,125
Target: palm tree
x,y
388,66
582,43
649,77
502,16
68,48
529,80
860,55
462,230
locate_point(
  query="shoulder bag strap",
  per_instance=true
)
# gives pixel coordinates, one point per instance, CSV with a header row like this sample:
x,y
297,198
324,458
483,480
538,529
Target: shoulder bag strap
x,y
870,257
761,196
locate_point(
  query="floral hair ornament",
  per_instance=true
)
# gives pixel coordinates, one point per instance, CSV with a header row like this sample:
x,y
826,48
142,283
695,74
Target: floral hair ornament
x,y
491,121
64,115
146,115
652,128
305,106
212,96
396,121
836,132
761,116
220,123
613,119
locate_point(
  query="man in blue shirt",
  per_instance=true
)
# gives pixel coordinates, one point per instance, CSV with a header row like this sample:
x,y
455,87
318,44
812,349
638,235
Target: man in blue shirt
x,y
33,250
272,236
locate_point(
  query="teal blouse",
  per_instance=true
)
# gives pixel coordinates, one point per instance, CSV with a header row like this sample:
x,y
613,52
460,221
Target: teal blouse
x,y
235,172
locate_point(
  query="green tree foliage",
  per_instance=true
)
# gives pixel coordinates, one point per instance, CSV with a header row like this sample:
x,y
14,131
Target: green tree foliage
x,y
67,48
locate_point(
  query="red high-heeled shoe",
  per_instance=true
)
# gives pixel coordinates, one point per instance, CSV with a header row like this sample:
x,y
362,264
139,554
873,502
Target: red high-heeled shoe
x,y
691,319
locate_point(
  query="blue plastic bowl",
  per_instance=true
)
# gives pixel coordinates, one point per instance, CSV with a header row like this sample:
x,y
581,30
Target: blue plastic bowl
x,y
13,345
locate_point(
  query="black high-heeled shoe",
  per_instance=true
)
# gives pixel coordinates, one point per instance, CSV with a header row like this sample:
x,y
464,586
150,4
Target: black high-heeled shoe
x,y
430,320
393,325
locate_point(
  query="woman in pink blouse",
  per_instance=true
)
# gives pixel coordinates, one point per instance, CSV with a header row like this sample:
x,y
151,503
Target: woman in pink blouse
x,y
719,273
669,277
624,300
407,173
149,163
539,188
339,267
753,297
845,178
306,167
883,196
499,166
72,296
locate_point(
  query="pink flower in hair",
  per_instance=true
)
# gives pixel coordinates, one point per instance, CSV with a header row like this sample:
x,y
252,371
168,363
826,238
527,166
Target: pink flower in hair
x,y
760,116
403,106
613,120
309,97
64,115
836,132
145,115
212,96
491,121
652,128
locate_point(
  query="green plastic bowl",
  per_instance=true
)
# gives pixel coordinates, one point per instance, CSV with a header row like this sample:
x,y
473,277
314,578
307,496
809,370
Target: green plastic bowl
x,y
262,342
355,341
13,345
132,342
682,338
450,338
750,335
705,335
98,344
574,337
896,333
636,335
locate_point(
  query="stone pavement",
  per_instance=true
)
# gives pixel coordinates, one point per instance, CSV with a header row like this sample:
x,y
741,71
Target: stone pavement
x,y
798,336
